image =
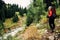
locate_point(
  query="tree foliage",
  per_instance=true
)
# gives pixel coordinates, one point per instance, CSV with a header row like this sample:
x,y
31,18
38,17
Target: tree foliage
x,y
11,9
2,10
50,2
22,11
35,10
59,2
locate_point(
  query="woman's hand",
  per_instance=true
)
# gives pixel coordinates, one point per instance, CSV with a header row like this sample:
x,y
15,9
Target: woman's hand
x,y
47,16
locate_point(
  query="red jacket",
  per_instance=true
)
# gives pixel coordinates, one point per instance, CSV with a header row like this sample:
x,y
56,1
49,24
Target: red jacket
x,y
51,12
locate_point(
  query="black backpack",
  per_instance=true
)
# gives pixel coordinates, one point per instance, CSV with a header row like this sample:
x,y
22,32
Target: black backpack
x,y
54,15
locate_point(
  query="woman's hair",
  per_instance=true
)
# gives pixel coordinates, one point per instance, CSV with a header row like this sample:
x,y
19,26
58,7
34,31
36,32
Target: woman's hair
x,y
50,7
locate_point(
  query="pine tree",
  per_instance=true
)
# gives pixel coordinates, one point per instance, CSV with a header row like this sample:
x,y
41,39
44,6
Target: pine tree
x,y
35,11
15,18
2,10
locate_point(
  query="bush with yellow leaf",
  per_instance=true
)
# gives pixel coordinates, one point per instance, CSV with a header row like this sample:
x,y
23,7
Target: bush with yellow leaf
x,y
44,20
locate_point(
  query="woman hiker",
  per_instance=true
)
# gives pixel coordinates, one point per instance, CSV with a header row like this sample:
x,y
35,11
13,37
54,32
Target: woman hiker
x,y
51,16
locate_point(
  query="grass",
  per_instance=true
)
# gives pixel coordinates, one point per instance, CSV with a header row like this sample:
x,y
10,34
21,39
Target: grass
x,y
8,23
58,11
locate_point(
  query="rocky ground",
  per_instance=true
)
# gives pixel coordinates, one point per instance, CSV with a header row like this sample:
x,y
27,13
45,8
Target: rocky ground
x,y
40,32
32,33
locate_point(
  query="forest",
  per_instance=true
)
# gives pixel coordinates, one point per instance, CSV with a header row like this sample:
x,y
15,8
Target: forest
x,y
12,17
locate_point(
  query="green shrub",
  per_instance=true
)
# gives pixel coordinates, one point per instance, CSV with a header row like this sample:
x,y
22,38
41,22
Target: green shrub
x,y
15,18
29,20
1,28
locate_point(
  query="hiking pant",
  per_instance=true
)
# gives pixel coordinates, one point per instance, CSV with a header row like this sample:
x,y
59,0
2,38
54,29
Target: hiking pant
x,y
51,23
